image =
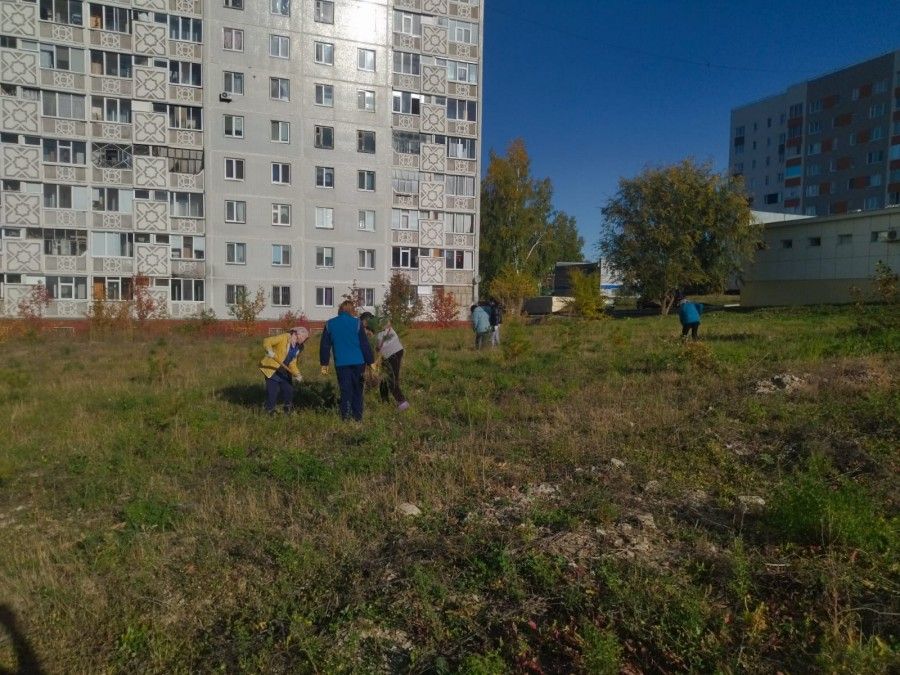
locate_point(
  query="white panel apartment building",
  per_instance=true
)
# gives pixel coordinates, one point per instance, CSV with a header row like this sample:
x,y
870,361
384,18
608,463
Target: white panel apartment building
x,y
215,146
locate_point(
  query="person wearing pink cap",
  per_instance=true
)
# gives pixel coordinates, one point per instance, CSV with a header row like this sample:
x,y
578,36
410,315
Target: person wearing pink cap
x,y
279,366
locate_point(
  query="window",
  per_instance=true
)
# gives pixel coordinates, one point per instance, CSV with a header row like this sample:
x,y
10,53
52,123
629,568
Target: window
x,y
367,220
281,132
185,117
110,109
410,64
61,11
365,141
111,199
187,247
324,53
459,223
112,244
404,22
787,243
880,237
56,104
875,156
844,239
365,59
181,160
324,137
233,293
460,71
234,126
406,103
813,148
66,58
65,197
877,110
461,148
366,259
875,180
233,40
186,204
281,173
795,110
459,260
114,19
65,242
64,152
280,88
367,297
324,12
279,47
877,133
772,198
235,253
459,186
281,296
324,297
460,31
324,256
67,288
325,95
365,100
812,190
814,127
405,182
234,83
324,218
235,211
405,258
407,142
234,168
365,180
872,203
234,4
187,29
814,241
281,214
458,109
281,255
185,73
880,87
280,7
325,176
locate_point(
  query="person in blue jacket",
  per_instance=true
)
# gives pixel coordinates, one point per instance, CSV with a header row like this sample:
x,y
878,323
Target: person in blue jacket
x,y
689,315
481,325
345,335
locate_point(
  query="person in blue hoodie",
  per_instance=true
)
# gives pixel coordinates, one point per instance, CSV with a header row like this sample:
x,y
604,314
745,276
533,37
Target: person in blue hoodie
x,y
345,335
689,315
481,324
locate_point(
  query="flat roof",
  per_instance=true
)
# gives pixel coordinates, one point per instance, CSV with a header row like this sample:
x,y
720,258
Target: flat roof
x,y
816,220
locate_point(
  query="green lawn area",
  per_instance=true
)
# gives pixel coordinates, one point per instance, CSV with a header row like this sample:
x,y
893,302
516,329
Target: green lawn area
x,y
595,497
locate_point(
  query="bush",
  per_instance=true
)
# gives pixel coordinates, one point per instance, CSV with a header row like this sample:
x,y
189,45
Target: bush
x,y
511,287
31,307
145,305
246,309
109,315
444,308
587,297
291,319
402,304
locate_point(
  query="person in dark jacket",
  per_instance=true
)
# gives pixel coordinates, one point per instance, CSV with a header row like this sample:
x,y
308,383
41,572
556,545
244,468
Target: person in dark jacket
x,y
495,313
689,315
345,335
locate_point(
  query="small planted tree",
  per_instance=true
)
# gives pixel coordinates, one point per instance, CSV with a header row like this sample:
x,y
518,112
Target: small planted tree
x,y
290,319
355,295
511,287
444,308
32,305
246,308
587,298
402,304
145,305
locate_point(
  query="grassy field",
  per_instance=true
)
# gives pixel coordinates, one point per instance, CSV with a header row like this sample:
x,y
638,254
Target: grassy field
x,y
595,497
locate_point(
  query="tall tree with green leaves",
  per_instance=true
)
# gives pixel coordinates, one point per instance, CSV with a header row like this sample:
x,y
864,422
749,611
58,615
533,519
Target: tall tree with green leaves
x,y
520,229
678,226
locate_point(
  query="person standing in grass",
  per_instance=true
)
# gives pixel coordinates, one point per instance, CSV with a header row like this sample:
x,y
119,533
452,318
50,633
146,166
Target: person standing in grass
x,y
495,313
481,324
390,352
689,315
345,335
279,366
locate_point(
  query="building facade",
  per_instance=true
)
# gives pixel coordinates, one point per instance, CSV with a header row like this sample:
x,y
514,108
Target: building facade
x,y
830,145
211,148
808,261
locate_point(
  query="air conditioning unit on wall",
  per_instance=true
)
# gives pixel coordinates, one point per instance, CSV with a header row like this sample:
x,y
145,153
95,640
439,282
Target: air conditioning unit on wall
x,y
225,96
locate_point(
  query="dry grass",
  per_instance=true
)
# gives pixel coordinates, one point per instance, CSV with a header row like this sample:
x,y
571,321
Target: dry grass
x,y
578,491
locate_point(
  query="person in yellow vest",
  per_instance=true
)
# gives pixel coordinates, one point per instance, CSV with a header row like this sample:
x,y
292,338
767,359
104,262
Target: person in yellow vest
x,y
280,368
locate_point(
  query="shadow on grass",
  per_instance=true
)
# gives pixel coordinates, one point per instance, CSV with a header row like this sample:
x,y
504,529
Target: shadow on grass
x,y
308,395
27,660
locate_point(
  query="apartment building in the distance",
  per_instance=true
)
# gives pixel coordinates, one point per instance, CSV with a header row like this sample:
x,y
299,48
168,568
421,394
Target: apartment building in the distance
x,y
826,146
215,146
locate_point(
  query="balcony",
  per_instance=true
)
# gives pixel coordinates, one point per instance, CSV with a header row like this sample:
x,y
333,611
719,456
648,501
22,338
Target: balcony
x,y
64,218
459,277
112,220
66,128
461,10
62,79
189,269
462,90
453,203
105,39
184,94
186,137
458,240
113,176
64,173
461,128
466,166
186,181
405,237
61,32
403,160
405,122
65,263
112,86
188,51
187,225
407,82
186,6
114,266
408,43
406,201
462,50
111,131
411,5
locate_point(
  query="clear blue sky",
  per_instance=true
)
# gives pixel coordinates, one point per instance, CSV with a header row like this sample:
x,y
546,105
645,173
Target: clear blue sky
x,y
602,88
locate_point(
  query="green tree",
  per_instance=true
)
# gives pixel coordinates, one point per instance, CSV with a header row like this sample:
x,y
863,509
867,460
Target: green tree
x,y
519,226
402,304
677,226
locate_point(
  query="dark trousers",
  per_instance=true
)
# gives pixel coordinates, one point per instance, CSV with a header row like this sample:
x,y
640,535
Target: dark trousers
x,y
693,327
390,378
481,339
350,382
279,385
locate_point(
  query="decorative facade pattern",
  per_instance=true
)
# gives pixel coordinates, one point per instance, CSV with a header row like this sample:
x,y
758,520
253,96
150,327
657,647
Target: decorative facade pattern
x,y
151,172
434,118
431,270
433,158
23,256
18,19
21,162
150,38
19,115
150,83
434,40
152,260
150,128
431,233
434,80
431,195
151,216
19,67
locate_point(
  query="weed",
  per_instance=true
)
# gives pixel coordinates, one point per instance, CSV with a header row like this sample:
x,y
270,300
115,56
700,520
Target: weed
x,y
601,652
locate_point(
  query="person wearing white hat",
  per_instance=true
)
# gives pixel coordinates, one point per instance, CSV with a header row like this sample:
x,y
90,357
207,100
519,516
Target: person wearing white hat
x,y
279,366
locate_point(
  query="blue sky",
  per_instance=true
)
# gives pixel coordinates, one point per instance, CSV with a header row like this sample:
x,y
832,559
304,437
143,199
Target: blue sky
x,y
602,88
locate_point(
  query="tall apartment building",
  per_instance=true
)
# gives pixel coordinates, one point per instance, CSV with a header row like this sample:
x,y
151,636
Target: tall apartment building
x,y
826,146
215,147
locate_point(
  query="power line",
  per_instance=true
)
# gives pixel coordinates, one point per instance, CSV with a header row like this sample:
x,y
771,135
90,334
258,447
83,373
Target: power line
x,y
705,63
